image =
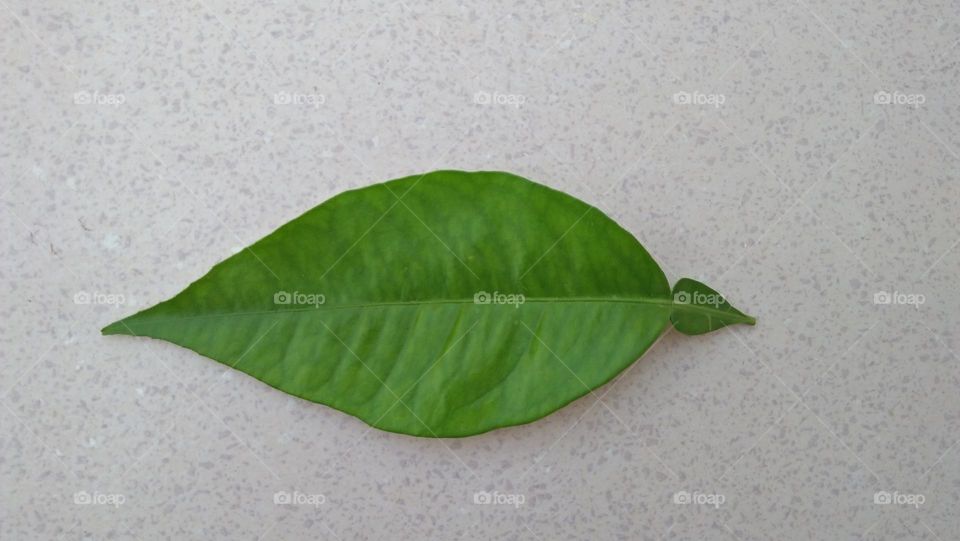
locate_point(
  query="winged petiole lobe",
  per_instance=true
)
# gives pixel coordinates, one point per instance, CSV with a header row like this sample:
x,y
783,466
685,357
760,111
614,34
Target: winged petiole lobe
x,y
699,309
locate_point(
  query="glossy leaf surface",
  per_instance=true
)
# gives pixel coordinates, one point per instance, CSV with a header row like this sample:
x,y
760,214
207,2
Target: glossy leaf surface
x,y
442,305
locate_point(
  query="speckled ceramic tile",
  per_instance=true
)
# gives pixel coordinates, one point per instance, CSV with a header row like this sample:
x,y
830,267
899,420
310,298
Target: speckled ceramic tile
x,y
895,202
797,101
37,108
724,181
802,478
699,45
801,158
899,417
901,48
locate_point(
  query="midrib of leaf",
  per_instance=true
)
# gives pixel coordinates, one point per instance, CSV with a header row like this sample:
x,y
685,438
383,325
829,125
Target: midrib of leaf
x,y
707,311
653,301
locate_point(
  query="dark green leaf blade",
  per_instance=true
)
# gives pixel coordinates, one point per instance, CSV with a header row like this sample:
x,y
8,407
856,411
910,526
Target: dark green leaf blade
x,y
698,309
369,303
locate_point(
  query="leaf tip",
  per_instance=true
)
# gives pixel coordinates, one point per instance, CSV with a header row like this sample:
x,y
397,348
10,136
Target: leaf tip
x,y
117,327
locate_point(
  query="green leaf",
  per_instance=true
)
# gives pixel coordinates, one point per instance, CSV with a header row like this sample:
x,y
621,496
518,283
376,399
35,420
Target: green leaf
x,y
699,309
445,304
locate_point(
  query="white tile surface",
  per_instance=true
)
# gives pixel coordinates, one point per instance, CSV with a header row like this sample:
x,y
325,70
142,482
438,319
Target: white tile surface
x,y
791,191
